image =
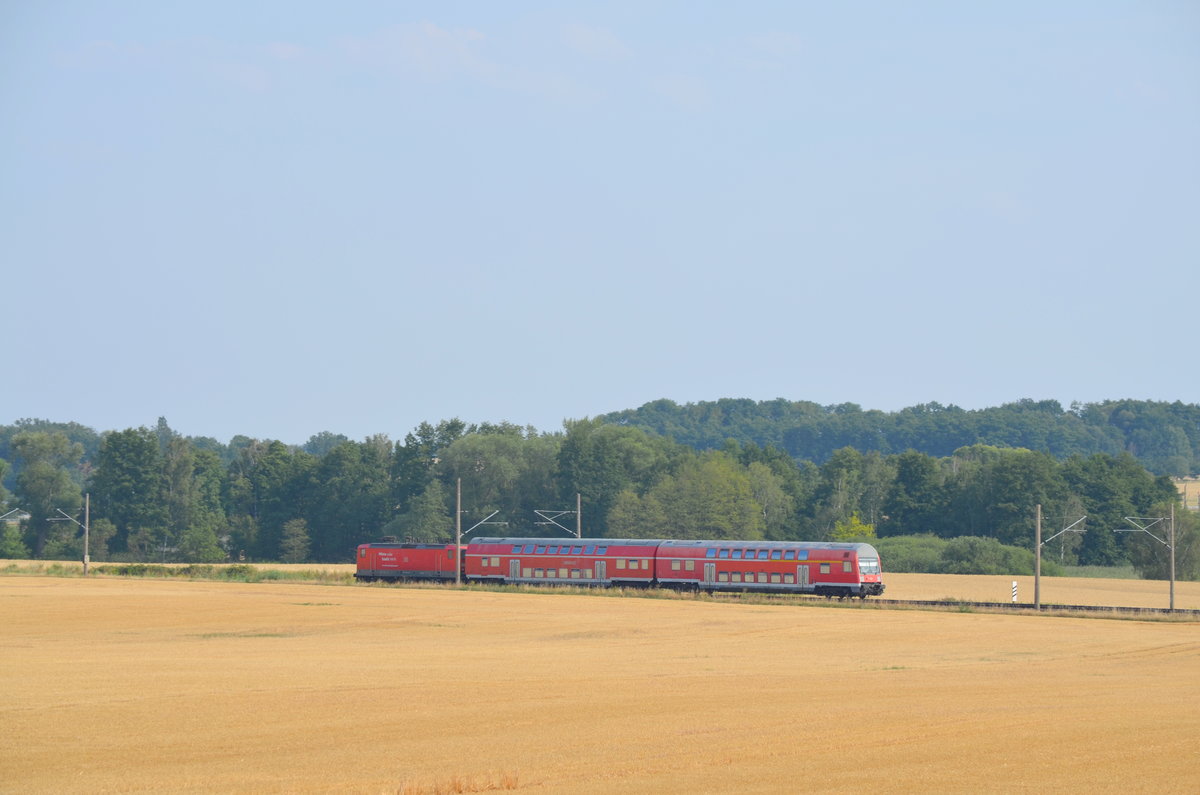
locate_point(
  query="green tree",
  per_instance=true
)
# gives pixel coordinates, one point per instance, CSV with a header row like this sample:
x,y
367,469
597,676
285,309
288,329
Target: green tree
x,y
45,485
427,519
840,492
778,507
4,466
100,534
413,461
11,545
916,503
352,497
267,485
127,490
996,491
295,545
707,497
852,529
599,461
1149,551
1109,488
192,498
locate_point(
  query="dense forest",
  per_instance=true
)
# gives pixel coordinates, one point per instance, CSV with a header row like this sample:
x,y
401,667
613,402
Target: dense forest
x,y
659,471
1164,437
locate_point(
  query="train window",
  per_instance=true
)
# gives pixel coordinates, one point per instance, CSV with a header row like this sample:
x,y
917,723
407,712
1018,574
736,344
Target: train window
x,y
574,574
495,561
776,554
762,576
516,549
449,553
789,554
539,573
724,554
847,566
526,573
763,554
824,568
541,550
362,553
690,565
576,550
552,550
675,565
710,553
646,563
723,577
589,549
737,554
587,574
529,549
601,550
775,578
736,577
789,579
868,565
620,563
801,554
562,574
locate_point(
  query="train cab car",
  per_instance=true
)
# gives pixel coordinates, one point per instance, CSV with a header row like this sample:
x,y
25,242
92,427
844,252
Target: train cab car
x,y
827,569
571,561
393,561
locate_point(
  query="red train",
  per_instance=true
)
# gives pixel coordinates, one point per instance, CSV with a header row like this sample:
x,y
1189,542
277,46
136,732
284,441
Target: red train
x,y
826,569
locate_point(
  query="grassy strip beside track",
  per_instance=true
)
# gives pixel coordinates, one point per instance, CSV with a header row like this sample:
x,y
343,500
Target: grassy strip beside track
x,y
227,572
314,574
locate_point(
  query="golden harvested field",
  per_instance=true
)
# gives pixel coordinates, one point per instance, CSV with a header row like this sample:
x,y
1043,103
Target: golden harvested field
x,y
150,685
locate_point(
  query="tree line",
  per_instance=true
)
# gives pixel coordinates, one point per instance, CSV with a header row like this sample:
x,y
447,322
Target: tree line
x,y
158,496
1164,437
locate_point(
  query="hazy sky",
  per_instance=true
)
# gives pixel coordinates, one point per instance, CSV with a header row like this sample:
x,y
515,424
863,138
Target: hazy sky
x,y
278,218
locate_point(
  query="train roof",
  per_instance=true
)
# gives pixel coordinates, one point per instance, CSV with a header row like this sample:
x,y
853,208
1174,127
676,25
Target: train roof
x,y
611,542
861,548
741,544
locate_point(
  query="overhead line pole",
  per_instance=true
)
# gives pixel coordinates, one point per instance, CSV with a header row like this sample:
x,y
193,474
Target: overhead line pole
x,y
1150,521
87,511
458,534
1037,560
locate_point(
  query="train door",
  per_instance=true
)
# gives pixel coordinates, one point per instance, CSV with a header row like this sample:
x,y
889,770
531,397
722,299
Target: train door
x,y
601,573
710,573
802,575
514,569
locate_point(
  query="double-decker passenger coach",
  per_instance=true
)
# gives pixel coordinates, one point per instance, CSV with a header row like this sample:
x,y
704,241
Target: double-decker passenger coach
x,y
591,561
825,569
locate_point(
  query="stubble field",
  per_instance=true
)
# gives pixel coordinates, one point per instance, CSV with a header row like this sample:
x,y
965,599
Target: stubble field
x,y
113,685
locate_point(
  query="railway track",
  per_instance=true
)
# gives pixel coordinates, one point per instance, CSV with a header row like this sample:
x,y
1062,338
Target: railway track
x,y
1027,607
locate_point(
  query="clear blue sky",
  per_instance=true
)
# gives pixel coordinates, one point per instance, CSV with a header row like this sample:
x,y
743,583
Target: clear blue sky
x,y
279,218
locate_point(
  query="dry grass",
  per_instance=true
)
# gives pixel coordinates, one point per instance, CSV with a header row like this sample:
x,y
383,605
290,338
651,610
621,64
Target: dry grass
x,y
110,685
456,784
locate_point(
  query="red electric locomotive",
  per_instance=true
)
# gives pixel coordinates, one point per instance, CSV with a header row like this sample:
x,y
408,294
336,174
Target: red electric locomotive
x,y
386,560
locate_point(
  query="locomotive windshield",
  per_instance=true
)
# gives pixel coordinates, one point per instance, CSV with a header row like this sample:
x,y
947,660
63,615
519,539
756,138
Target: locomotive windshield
x,y
868,565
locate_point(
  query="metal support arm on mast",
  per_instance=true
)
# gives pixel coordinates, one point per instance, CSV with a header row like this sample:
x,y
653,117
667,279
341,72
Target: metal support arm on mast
x,y
1144,523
